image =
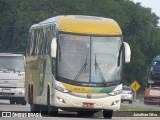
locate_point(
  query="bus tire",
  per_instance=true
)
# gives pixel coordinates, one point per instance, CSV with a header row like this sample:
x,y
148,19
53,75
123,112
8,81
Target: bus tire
x,y
51,110
107,114
33,107
29,93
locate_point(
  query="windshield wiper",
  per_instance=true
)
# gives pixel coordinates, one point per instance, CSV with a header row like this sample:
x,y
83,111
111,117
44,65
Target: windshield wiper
x,y
120,50
81,70
98,70
59,52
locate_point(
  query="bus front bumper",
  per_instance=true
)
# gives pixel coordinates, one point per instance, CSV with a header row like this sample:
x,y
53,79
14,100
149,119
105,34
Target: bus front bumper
x,y
65,100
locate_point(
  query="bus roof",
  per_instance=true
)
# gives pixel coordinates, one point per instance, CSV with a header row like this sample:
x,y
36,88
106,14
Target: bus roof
x,y
84,24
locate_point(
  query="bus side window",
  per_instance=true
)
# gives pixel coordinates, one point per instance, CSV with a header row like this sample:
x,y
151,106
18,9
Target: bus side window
x,y
41,42
48,41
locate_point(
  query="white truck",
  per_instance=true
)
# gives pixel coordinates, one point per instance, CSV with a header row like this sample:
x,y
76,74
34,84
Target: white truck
x,y
12,77
152,94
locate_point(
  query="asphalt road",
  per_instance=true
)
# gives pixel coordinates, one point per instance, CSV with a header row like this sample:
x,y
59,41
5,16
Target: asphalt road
x,y
5,106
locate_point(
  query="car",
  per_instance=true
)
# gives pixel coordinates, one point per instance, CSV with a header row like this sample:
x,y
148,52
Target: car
x,y
155,69
127,94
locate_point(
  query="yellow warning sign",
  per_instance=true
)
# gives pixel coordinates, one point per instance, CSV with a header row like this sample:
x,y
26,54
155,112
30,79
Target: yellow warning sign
x,y
135,86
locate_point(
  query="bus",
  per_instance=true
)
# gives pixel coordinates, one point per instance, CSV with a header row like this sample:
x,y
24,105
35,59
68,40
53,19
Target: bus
x,y
74,63
12,78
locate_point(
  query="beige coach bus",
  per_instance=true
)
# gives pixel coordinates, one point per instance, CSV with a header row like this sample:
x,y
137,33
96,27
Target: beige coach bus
x,y
74,63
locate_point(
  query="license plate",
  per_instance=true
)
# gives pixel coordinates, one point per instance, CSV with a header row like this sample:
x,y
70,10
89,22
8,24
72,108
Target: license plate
x,y
6,90
88,105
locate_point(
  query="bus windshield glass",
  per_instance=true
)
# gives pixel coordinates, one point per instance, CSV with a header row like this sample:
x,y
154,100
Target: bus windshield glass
x,y
12,63
91,59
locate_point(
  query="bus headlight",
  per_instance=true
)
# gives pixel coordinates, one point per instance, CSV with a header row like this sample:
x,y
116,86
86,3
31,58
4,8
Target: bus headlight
x,y
117,92
115,102
61,100
61,89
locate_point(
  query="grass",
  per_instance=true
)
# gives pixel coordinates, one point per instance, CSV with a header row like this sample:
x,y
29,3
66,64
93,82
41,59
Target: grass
x,y
140,98
129,111
134,108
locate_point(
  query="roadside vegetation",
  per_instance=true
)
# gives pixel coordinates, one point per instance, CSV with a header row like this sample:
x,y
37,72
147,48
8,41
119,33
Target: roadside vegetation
x,y
138,108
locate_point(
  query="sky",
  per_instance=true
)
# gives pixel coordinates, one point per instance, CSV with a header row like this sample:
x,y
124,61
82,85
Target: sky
x,y
153,4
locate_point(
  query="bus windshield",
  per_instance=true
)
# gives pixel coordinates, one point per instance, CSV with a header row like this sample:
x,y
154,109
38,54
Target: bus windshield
x,y
91,59
12,63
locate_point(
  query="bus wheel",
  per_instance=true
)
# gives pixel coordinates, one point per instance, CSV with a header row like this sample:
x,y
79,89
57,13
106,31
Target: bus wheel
x,y
29,95
51,110
33,107
107,114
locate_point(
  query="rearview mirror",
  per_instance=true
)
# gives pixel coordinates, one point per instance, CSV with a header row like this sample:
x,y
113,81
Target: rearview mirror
x,y
53,47
127,52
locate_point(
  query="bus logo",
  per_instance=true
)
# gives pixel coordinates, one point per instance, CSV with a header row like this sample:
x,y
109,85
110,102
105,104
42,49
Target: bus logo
x,y
89,95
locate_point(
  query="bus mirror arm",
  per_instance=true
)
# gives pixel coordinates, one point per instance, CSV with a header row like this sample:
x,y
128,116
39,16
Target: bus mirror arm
x,y
53,47
120,50
127,52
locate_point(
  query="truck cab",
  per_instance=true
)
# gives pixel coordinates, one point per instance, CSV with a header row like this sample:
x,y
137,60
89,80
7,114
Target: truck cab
x,y
152,93
152,90
12,77
155,69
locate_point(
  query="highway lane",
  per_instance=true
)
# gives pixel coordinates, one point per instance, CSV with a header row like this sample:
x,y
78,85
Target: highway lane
x,y
5,106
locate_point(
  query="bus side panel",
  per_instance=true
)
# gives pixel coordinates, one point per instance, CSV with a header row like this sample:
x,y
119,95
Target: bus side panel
x,y
46,79
32,76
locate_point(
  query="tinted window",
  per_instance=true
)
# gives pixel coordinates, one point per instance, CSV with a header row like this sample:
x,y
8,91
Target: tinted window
x,y
12,62
127,88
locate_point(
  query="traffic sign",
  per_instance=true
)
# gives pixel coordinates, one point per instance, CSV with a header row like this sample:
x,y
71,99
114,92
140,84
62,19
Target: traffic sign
x,y
135,86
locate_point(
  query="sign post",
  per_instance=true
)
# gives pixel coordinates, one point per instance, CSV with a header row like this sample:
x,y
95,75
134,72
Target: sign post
x,y
135,87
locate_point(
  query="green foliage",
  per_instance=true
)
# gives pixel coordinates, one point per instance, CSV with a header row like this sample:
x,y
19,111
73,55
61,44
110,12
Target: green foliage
x,y
139,26
144,109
